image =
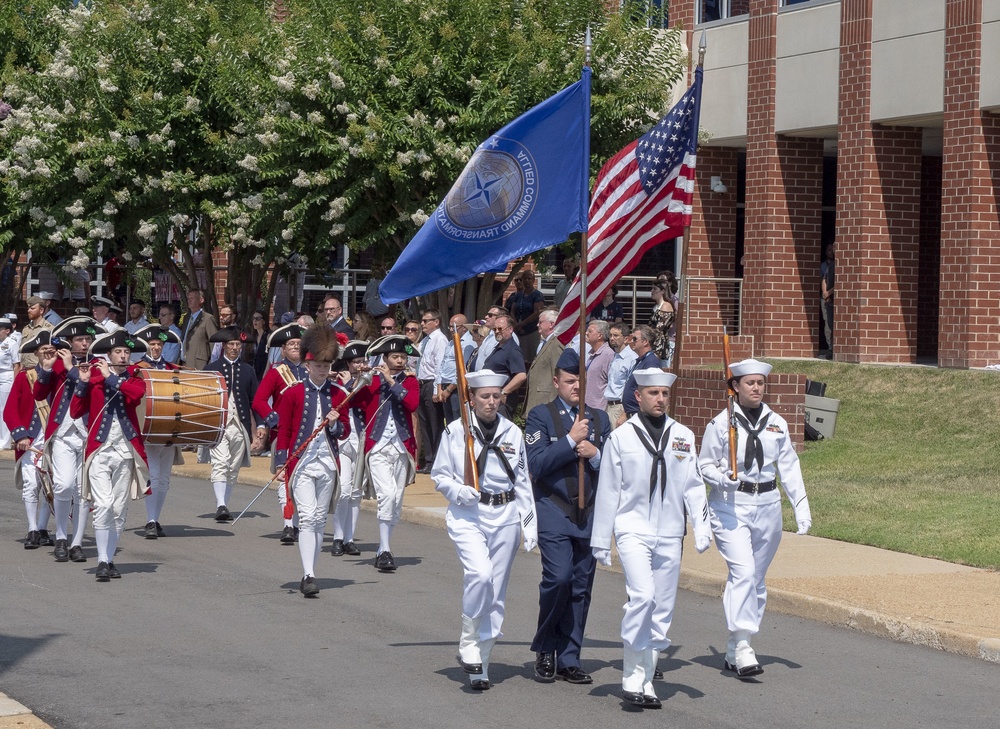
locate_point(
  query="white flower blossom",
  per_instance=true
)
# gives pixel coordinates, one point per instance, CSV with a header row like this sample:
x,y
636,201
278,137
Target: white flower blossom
x,y
132,141
76,209
315,117
419,218
302,179
126,256
109,209
146,252
157,96
107,87
146,230
336,81
439,125
249,163
77,242
122,196
177,65
404,158
337,230
311,90
393,81
109,161
427,174
192,103
352,118
178,220
286,82
381,63
254,202
287,234
115,136
371,33
50,222
55,237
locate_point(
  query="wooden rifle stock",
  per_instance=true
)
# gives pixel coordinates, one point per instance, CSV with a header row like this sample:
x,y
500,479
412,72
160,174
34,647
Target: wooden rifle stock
x,y
730,403
465,405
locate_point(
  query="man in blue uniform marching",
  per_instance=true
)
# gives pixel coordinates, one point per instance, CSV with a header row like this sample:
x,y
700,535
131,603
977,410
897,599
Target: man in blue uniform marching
x,y
556,441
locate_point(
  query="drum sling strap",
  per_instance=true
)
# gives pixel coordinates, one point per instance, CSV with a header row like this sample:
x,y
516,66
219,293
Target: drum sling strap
x,y
570,509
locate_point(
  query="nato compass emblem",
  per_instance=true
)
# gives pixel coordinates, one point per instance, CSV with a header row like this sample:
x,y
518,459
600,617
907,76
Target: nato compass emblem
x,y
494,195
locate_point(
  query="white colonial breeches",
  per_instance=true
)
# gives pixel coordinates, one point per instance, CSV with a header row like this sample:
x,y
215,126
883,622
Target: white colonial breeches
x,y
110,476
747,536
388,469
227,456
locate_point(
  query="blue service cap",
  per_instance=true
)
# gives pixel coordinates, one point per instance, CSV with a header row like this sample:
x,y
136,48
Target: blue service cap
x,y
569,361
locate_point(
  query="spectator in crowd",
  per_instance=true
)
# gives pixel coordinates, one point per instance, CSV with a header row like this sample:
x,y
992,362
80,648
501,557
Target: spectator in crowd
x,y
388,326
598,362
171,350
446,384
199,326
430,411
646,358
412,331
36,322
77,289
541,387
50,316
507,359
334,313
490,343
662,322
526,308
10,359
114,273
227,318
618,371
569,268
136,317
610,309
256,350
365,327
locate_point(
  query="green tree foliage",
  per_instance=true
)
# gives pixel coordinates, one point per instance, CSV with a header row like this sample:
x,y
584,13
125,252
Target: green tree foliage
x,y
208,125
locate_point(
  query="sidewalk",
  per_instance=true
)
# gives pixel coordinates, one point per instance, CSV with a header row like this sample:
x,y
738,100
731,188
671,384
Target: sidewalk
x,y
898,596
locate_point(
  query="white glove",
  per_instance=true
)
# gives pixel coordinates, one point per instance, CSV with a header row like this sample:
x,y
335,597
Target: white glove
x,y
530,544
466,496
701,542
804,525
603,556
731,483
803,516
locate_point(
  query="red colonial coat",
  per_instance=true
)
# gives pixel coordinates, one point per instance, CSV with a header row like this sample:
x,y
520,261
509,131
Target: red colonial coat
x,y
89,397
52,391
268,397
293,427
20,411
405,393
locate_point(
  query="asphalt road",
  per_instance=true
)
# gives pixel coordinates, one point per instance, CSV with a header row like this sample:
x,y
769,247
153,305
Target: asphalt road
x,y
207,629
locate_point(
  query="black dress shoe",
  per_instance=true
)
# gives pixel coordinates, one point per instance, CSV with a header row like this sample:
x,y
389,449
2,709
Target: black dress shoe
x,y
222,514
573,674
338,547
473,669
308,587
351,548
159,530
545,667
479,684
44,539
384,562
295,531
61,552
150,532
657,674
651,702
287,536
633,698
103,575
76,554
31,541
113,571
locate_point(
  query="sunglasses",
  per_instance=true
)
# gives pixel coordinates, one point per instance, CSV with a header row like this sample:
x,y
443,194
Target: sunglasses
x,y
389,329
411,329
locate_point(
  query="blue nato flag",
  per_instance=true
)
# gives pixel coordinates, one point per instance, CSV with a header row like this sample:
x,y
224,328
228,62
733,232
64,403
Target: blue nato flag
x,y
525,188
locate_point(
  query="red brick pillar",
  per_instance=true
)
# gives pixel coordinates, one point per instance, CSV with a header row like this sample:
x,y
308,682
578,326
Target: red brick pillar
x,y
878,213
969,327
784,182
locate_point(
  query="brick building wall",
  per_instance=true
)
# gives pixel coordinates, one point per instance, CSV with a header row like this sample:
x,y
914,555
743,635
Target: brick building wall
x,y
969,328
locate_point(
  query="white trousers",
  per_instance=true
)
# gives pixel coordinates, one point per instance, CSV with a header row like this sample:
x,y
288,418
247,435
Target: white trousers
x,y
110,477
161,462
345,513
6,382
35,506
67,464
312,488
487,555
747,536
227,456
652,567
389,468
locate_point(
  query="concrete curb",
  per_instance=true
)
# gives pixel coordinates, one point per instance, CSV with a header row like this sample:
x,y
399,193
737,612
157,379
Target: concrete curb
x,y
14,715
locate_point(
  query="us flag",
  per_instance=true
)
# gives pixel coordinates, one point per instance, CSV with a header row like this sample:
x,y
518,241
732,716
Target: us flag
x,y
642,197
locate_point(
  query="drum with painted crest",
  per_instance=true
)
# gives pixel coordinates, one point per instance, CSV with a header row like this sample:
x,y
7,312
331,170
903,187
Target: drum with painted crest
x,y
183,408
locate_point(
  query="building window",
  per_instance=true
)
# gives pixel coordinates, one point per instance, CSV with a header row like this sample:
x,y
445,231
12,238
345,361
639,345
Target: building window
x,y
654,11
720,9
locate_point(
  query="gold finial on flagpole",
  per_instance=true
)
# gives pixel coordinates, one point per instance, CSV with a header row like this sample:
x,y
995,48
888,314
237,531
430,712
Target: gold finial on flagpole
x,y
587,47
702,47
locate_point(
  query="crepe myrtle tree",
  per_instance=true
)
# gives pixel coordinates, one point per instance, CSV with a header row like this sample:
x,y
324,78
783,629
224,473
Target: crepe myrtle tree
x,y
123,131
379,104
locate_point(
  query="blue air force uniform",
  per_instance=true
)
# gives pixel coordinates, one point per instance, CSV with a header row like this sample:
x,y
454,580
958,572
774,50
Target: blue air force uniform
x,y
563,529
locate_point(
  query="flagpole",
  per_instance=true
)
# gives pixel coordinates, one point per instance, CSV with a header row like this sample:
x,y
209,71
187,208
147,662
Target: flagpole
x,y
682,278
581,500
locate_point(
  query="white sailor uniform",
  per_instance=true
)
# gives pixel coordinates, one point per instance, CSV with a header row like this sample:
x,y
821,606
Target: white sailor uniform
x,y
746,513
485,527
642,502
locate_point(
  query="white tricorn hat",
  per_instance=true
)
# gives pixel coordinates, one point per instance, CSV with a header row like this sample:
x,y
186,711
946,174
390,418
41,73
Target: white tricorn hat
x,y
750,367
485,378
654,377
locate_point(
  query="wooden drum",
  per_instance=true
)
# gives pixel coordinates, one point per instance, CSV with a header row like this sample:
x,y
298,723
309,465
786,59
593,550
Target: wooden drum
x,y
183,408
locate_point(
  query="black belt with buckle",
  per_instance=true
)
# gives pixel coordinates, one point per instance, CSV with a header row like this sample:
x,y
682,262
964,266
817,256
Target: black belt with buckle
x,y
614,402
756,488
496,499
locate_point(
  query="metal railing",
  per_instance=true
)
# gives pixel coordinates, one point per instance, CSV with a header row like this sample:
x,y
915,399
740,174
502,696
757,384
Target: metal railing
x,y
711,300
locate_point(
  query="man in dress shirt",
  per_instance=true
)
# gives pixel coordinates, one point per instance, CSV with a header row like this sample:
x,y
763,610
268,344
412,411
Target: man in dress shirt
x,y
642,345
334,312
507,359
446,382
198,329
430,412
598,362
227,318
618,371
171,350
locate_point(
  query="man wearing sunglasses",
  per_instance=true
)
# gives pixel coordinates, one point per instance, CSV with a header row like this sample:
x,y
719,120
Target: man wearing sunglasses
x,y
507,359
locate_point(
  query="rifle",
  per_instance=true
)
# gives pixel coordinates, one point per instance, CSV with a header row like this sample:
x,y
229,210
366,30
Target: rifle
x,y
465,406
730,402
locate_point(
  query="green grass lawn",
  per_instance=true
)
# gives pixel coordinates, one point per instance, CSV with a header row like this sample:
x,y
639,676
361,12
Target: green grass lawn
x,y
914,465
